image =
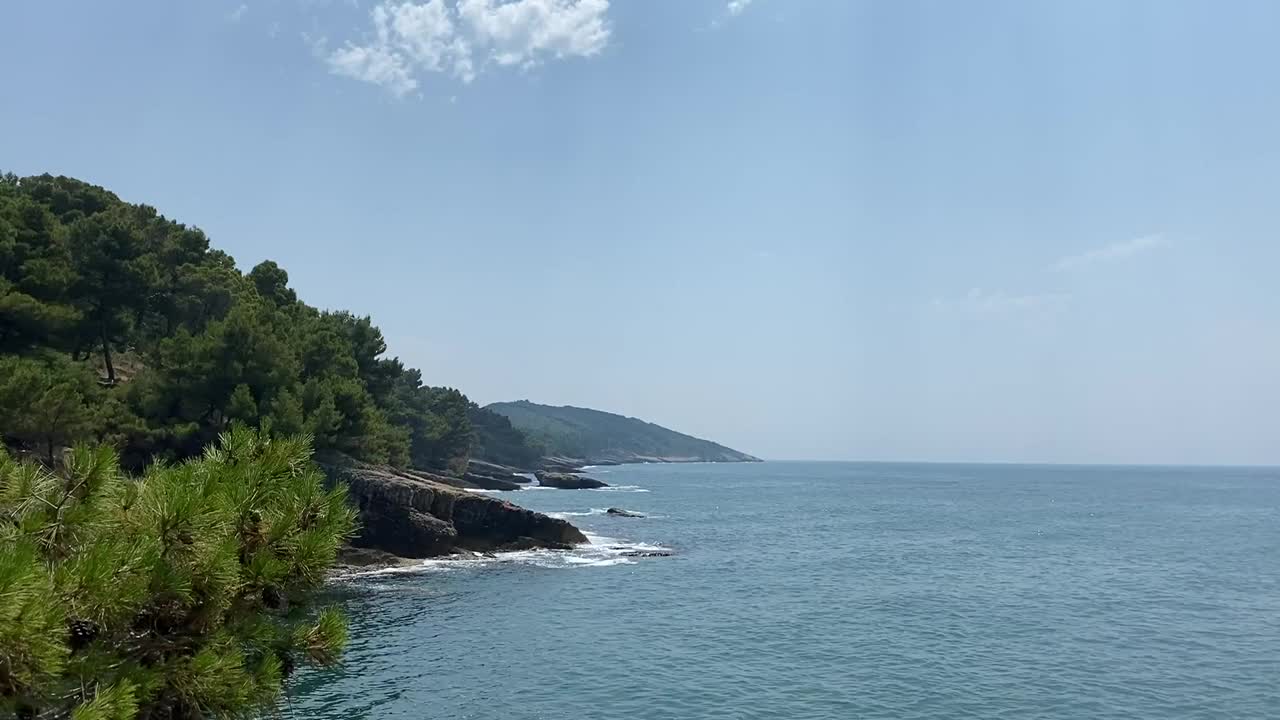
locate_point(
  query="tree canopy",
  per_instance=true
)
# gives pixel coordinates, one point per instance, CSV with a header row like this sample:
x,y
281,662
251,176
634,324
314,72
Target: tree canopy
x,y
122,326
165,566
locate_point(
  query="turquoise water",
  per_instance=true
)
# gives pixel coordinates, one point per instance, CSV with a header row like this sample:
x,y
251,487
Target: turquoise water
x,y
844,590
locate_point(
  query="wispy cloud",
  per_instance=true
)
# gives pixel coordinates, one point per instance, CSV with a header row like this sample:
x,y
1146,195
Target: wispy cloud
x,y
237,14
996,301
1114,252
736,7
463,38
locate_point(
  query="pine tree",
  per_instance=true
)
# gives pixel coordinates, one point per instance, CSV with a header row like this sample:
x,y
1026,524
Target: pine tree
x,y
43,403
184,594
111,280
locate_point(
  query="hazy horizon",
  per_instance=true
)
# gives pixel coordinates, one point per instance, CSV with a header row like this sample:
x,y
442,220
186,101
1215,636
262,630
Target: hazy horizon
x,y
983,232
916,461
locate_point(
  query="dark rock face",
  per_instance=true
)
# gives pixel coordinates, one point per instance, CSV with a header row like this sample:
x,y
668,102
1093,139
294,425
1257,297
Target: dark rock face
x,y
568,481
623,513
412,516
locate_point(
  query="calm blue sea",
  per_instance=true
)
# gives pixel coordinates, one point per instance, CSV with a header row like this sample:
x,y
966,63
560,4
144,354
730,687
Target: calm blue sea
x,y
829,591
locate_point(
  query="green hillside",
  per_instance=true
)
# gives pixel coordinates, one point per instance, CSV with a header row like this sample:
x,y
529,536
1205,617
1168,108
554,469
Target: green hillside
x,y
121,326
597,436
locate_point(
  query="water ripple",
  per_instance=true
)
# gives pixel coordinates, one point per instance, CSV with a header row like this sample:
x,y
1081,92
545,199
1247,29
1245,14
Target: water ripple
x,y
832,591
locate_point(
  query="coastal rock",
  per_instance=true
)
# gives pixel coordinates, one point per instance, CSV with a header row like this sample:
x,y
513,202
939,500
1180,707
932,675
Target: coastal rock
x,y
623,513
528,543
409,515
490,482
356,558
647,553
474,481
568,481
505,472
559,464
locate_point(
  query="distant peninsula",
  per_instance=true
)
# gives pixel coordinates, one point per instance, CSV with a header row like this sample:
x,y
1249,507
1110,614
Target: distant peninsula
x,y
581,436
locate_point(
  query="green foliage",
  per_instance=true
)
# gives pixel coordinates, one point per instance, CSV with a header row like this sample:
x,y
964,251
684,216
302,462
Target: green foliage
x,y
439,433
592,434
497,440
111,279
272,284
184,594
45,402
184,344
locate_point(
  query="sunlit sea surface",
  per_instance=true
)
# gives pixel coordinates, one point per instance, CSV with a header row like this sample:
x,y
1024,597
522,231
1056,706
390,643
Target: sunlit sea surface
x,y
842,590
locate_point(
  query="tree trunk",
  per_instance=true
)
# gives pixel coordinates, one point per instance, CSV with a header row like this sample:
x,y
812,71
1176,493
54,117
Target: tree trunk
x,y
49,449
106,358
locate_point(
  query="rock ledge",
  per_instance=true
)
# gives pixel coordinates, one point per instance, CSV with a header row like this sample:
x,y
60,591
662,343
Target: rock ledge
x,y
411,515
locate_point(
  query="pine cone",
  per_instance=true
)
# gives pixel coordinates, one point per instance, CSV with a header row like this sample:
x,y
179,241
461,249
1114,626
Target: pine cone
x,y
83,632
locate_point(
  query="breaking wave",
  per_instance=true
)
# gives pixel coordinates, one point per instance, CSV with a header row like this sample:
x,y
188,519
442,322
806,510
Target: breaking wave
x,y
600,551
529,488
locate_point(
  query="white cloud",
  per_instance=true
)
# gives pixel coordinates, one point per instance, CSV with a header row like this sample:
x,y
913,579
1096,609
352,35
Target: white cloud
x,y
517,32
995,301
463,37
374,64
1111,253
736,7
238,13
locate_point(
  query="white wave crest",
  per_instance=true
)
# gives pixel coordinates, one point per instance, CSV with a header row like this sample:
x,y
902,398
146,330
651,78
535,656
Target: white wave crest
x,y
600,551
522,488
566,514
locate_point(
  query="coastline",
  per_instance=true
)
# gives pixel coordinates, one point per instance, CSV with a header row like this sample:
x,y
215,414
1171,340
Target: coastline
x,y
413,521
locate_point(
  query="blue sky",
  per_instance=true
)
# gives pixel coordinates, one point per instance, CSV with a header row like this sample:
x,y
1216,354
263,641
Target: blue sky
x,y
992,231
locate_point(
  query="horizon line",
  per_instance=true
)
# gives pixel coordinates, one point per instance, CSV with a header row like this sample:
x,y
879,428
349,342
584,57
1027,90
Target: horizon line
x,y
1027,463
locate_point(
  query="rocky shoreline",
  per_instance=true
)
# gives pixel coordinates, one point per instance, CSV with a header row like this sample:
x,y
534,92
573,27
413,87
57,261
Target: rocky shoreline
x,y
419,515
408,515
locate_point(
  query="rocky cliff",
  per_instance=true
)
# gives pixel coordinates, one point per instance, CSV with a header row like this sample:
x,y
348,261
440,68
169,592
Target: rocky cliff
x,y
415,515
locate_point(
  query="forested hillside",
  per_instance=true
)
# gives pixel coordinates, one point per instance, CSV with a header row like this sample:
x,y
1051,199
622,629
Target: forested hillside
x,y
596,436
120,325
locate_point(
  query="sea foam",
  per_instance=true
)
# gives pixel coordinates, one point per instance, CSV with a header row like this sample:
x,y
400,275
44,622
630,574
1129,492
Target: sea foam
x,y
599,551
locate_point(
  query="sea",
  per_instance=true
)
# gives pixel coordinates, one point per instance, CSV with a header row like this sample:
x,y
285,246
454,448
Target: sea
x,y
825,591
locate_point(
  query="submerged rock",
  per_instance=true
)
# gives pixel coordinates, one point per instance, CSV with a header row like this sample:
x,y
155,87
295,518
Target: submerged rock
x,y
528,543
411,515
623,513
647,553
568,481
356,557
